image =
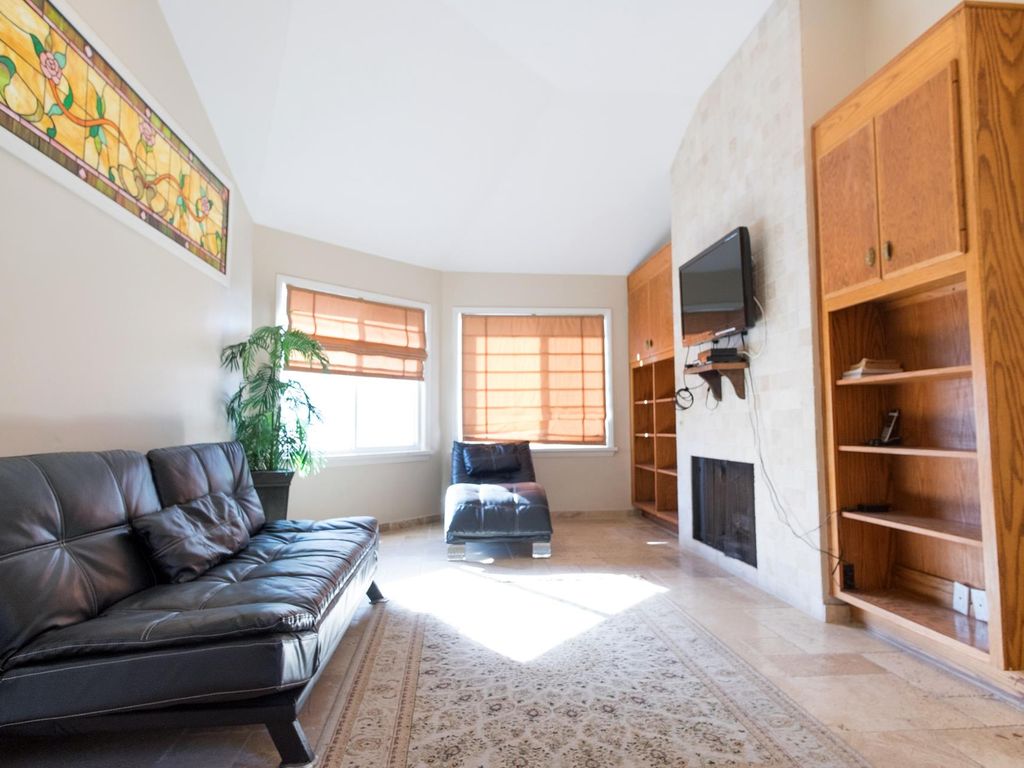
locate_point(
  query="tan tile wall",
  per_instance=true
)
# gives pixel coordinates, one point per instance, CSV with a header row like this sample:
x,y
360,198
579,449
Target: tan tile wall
x,y
742,162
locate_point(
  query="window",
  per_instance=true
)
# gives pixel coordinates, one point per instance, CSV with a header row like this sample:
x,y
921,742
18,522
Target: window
x,y
372,397
536,377
360,337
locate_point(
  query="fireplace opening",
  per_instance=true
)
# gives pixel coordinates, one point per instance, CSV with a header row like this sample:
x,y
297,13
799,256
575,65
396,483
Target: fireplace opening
x,y
723,507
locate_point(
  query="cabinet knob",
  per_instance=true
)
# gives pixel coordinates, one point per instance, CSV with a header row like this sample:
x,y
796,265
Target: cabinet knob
x,y
869,257
887,250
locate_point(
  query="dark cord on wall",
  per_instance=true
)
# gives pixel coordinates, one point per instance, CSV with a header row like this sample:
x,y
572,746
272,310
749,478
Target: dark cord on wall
x,y
754,415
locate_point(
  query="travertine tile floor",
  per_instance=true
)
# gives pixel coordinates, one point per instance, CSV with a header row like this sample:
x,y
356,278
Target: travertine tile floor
x,y
894,708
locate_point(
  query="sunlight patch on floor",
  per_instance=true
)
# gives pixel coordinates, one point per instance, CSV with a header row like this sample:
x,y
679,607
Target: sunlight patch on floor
x,y
520,617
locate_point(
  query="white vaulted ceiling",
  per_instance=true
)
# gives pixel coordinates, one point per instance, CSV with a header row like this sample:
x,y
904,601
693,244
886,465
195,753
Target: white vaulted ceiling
x,y
465,135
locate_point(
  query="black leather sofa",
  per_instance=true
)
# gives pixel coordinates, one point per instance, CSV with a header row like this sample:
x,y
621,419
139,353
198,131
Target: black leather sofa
x,y
113,613
495,497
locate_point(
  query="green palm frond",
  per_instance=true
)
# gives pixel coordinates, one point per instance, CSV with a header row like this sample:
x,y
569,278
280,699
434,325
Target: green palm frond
x,y
271,416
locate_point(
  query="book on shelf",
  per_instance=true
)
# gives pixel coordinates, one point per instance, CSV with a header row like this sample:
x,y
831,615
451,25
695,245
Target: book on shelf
x,y
872,367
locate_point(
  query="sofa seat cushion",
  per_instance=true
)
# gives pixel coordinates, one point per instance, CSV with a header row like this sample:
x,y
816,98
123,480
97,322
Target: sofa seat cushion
x,y
494,512
285,581
237,668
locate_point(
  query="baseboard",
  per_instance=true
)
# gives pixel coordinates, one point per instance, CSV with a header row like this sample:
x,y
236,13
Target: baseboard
x,y
412,522
565,514
601,514
1007,685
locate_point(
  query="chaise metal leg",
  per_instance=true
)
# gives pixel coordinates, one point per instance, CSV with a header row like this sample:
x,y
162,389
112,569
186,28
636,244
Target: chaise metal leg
x,y
456,551
291,743
542,549
375,595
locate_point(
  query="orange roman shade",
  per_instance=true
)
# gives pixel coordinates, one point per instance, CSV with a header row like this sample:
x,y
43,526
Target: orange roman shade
x,y
533,377
361,338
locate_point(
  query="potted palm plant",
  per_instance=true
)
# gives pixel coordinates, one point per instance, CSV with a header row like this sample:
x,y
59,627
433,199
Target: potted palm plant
x,y
270,415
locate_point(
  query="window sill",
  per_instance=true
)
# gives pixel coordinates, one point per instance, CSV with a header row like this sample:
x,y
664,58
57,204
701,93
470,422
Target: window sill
x,y
382,457
573,451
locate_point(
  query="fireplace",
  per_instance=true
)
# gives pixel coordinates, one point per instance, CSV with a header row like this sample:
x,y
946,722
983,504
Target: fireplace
x,y
723,507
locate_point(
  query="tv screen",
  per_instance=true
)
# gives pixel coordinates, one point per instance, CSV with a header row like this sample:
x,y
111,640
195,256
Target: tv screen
x,y
715,290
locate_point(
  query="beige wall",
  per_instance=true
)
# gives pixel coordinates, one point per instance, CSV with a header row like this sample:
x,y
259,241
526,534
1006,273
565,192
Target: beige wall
x,y
388,491
574,482
412,488
846,41
109,339
891,25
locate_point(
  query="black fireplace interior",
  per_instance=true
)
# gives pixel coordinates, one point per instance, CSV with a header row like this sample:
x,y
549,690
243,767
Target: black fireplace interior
x,y
723,507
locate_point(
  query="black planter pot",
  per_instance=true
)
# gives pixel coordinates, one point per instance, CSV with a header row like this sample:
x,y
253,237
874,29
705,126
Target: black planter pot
x,y
272,487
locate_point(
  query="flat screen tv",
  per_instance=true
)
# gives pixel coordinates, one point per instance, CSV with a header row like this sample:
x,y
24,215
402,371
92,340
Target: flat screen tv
x,y
716,290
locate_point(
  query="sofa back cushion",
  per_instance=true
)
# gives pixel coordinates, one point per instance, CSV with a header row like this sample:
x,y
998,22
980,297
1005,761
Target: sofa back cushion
x,y
67,551
489,458
186,540
189,472
509,462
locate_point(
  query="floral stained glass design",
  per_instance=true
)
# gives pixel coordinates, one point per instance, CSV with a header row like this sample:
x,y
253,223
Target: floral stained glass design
x,y
62,98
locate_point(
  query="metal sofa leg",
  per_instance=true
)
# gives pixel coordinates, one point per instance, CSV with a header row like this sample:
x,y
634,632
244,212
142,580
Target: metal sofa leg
x,y
456,551
542,549
291,743
375,595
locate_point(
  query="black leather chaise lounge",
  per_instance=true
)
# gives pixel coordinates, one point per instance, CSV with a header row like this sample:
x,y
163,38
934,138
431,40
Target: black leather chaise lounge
x,y
495,497
152,593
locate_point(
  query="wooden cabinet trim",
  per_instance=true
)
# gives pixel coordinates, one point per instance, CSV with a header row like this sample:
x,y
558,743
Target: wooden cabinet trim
x,y
933,50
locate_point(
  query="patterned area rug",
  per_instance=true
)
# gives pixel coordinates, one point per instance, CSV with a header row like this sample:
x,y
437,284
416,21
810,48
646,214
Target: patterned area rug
x,y
646,686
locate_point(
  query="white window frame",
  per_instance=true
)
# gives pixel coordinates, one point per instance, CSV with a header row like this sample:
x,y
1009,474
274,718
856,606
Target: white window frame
x,y
551,449
373,455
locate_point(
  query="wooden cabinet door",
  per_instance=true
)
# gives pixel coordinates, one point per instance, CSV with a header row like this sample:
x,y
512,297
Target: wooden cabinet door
x,y
661,318
639,321
848,214
920,190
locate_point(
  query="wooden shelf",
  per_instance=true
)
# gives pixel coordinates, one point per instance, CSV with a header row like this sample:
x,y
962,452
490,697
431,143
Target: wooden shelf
x,y
912,612
664,434
669,471
948,530
713,373
717,367
649,435
911,377
665,400
648,467
900,450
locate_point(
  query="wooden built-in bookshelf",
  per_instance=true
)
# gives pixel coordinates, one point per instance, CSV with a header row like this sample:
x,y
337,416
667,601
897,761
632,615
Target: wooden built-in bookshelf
x,y
655,476
921,260
652,389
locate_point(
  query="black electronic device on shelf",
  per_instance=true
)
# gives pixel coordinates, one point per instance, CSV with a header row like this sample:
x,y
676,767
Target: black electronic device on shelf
x,y
888,436
720,355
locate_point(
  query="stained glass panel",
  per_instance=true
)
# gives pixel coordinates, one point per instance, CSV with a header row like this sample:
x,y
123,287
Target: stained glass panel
x,y
62,98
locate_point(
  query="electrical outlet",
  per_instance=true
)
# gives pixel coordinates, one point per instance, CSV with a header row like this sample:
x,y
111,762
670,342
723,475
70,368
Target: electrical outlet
x,y
979,604
961,597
